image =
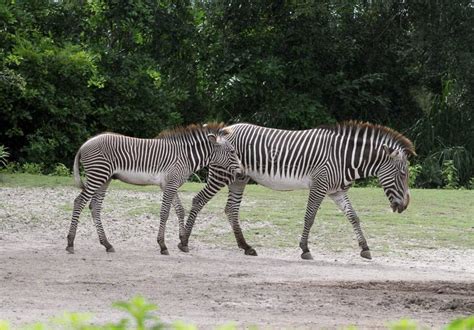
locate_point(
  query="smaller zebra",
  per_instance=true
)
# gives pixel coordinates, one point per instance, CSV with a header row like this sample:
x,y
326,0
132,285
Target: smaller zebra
x,y
166,161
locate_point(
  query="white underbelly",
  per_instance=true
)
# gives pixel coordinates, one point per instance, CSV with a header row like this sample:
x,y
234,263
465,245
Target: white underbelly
x,y
141,178
280,182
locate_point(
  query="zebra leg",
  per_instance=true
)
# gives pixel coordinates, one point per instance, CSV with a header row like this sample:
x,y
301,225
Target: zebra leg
x,y
316,196
342,200
199,201
180,213
94,182
236,190
79,204
169,195
95,207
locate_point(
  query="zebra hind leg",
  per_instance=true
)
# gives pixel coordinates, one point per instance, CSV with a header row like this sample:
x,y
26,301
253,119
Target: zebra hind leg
x,y
79,204
95,207
316,196
180,213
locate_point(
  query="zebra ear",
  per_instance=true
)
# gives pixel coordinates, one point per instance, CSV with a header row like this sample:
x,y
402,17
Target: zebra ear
x,y
212,137
225,131
393,153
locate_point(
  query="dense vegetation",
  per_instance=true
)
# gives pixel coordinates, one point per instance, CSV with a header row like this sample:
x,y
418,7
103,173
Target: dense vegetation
x,y
70,69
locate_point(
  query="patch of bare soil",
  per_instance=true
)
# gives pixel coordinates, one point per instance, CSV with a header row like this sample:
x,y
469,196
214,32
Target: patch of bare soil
x,y
211,285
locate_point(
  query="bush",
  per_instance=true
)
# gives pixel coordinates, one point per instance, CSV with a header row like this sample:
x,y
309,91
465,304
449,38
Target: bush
x,y
32,168
414,172
4,154
60,170
470,184
11,167
450,175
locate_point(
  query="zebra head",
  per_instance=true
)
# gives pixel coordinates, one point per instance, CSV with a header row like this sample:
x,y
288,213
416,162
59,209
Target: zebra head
x,y
393,176
224,154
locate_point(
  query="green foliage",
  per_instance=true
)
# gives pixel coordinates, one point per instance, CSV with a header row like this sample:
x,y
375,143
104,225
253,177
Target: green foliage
x,y
450,175
32,168
414,171
11,167
449,167
470,184
403,325
461,324
72,69
60,170
4,154
139,311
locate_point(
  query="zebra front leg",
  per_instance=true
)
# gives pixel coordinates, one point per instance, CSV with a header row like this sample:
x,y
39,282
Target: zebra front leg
x,y
316,196
95,207
199,201
342,200
236,190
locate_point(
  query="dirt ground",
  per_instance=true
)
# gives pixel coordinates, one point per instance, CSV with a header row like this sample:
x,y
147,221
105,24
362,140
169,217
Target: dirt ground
x,y
211,285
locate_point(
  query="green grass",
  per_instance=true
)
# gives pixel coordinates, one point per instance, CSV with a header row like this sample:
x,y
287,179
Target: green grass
x,y
435,218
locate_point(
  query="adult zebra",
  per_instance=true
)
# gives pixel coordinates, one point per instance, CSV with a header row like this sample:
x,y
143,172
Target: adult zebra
x,y
325,160
166,161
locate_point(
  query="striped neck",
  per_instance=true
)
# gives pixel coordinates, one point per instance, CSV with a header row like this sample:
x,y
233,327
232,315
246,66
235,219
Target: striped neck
x,y
361,150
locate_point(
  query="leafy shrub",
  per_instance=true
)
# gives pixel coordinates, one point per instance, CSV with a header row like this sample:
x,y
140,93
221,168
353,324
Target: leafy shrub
x,y
12,167
32,168
414,172
470,184
450,175
4,154
60,170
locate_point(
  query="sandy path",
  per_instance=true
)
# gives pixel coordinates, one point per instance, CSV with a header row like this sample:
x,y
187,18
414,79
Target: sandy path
x,y
210,285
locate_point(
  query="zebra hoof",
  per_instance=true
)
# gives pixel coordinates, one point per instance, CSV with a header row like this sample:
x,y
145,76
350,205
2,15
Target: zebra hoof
x,y
307,256
251,252
165,252
70,249
110,249
365,254
183,248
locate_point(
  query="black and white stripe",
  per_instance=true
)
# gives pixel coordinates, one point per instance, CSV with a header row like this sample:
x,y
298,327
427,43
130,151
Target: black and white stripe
x,y
325,160
166,161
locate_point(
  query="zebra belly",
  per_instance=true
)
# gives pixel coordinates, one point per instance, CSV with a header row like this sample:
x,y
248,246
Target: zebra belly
x,y
279,182
140,178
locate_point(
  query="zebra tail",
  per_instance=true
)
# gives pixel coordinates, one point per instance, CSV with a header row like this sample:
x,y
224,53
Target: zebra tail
x,y
77,175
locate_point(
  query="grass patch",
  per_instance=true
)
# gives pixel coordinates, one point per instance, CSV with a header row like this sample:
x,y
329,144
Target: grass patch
x,y
435,218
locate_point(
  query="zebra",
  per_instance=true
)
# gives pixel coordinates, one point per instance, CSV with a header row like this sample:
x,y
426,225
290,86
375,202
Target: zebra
x,y
167,161
326,160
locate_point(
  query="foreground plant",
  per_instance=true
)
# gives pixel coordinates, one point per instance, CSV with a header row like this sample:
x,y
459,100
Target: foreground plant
x,y
140,317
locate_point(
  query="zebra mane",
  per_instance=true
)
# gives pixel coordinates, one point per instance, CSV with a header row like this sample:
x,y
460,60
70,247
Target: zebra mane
x,y
190,129
398,137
